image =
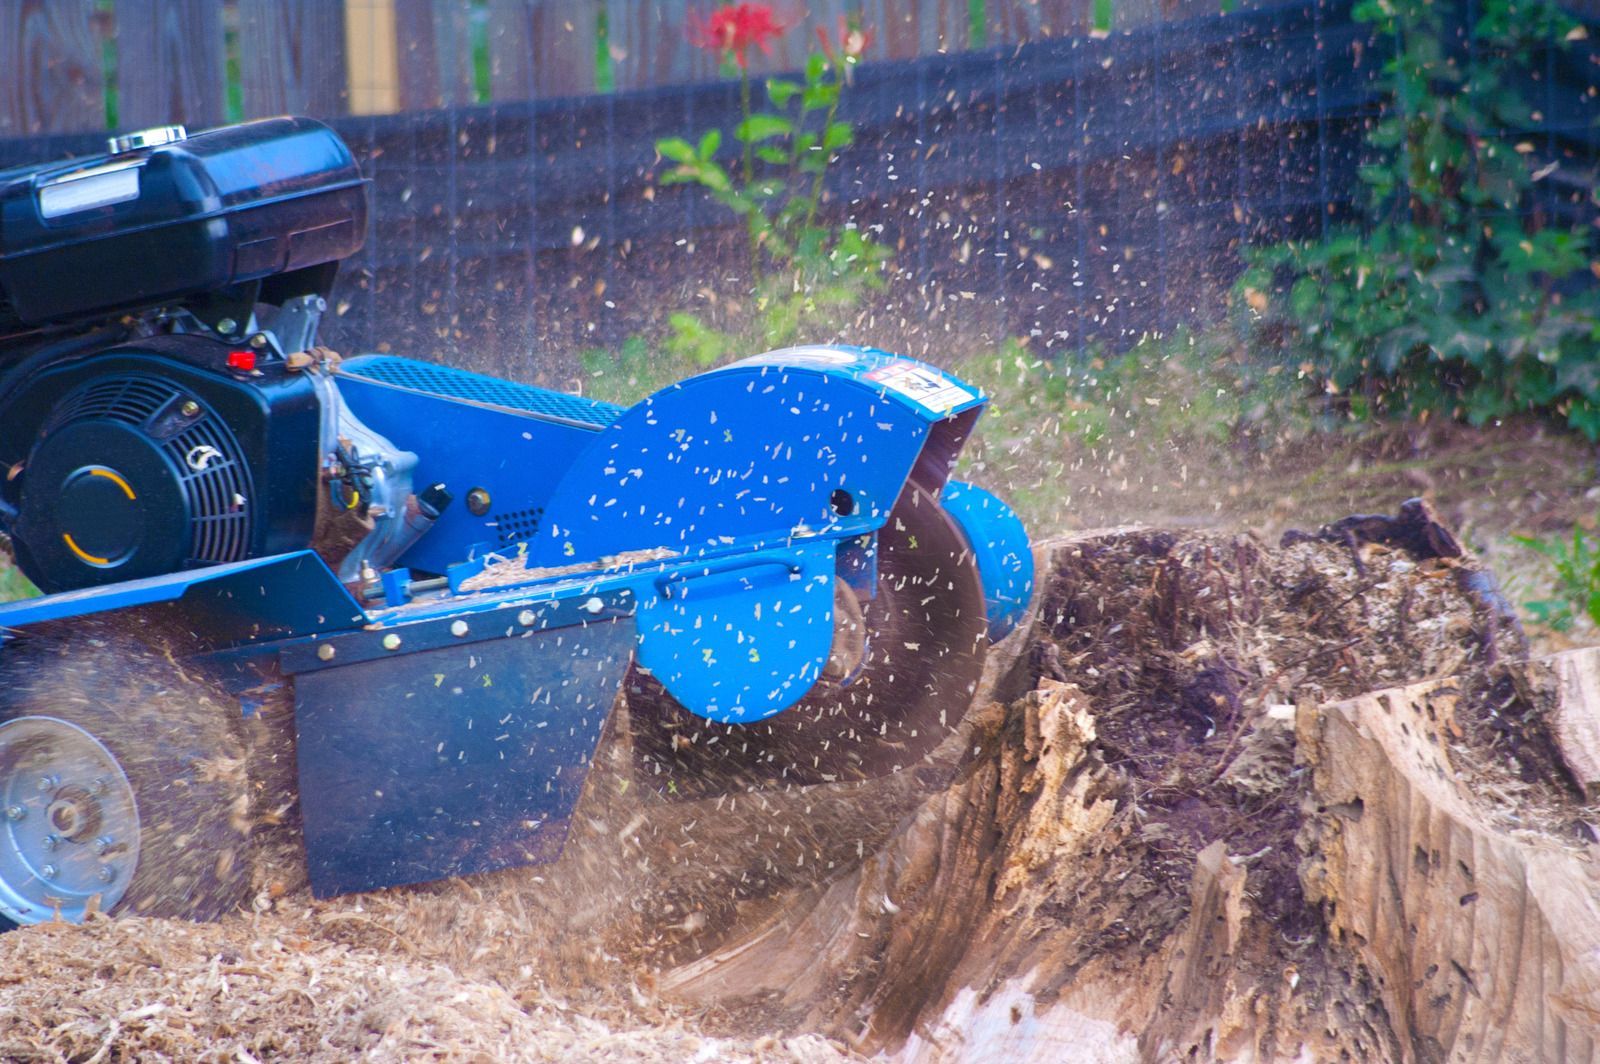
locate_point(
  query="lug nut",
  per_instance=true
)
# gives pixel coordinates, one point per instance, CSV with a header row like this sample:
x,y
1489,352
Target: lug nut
x,y
99,786
103,844
106,873
49,783
15,812
50,842
47,872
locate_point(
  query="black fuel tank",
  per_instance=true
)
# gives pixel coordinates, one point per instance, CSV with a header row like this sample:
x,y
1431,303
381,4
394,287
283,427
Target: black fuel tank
x,y
151,225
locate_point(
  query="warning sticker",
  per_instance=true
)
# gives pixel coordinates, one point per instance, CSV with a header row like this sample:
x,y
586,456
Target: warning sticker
x,y
921,385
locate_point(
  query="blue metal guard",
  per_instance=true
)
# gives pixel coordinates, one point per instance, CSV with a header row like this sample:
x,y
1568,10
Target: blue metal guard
x,y
476,388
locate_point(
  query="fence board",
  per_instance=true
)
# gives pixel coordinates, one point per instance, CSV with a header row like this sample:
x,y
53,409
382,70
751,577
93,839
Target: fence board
x,y
172,63
650,45
434,46
541,48
1016,21
51,80
909,28
292,57
789,51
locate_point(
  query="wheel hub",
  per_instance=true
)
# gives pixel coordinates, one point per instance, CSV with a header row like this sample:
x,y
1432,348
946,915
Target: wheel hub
x,y
71,826
74,813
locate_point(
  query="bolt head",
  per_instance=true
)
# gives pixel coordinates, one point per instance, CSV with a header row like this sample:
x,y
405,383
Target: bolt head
x,y
189,408
526,618
50,842
99,786
47,872
391,642
227,325
458,628
326,652
49,783
106,874
15,812
103,844
593,604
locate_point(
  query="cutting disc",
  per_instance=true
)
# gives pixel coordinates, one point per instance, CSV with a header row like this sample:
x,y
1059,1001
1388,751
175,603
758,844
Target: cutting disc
x,y
903,690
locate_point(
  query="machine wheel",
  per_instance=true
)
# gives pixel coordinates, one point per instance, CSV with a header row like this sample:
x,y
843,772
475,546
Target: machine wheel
x,y
883,703
122,782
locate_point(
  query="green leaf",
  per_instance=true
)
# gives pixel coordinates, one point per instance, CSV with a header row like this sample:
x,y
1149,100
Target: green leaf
x,y
837,135
714,177
820,97
709,144
760,127
781,92
816,68
676,148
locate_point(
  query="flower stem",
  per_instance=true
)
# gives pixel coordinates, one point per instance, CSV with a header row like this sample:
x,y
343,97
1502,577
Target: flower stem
x,y
748,170
816,178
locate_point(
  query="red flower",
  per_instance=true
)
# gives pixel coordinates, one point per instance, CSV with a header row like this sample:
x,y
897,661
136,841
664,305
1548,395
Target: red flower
x,y
733,28
854,40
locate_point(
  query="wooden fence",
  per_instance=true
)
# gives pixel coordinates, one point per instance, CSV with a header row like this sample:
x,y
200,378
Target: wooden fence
x,y
78,65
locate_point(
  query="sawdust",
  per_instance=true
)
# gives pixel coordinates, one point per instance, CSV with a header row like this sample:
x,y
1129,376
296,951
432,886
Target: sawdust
x,y
259,989
1118,835
1126,841
501,571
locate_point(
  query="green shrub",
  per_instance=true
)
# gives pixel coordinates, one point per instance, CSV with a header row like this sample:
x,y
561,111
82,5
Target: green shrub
x,y
1577,566
1451,297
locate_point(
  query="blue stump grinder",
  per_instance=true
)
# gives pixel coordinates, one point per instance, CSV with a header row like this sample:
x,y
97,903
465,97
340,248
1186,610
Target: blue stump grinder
x,y
454,580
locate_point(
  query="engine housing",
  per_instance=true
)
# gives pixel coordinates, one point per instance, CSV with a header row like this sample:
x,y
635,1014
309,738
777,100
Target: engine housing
x,y
153,457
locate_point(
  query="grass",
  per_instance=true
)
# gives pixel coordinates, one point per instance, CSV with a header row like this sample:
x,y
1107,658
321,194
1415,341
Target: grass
x,y
13,585
1058,430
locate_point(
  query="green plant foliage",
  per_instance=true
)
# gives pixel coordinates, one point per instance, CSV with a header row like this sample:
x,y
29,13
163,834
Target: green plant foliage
x,y
1196,392
13,585
1577,566
1186,386
1452,296
803,271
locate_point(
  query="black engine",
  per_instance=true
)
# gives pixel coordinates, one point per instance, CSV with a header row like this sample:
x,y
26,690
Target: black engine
x,y
151,458
157,410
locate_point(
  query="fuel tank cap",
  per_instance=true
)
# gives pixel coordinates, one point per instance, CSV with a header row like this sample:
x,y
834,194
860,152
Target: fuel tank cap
x,y
153,137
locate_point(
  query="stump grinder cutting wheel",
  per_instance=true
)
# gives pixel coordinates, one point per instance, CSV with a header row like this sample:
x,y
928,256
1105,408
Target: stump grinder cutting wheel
x,y
451,576
902,673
